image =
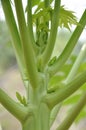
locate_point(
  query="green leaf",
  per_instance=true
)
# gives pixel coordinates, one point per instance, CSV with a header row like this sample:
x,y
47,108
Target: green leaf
x,y
67,17
41,5
73,99
21,99
82,67
55,83
68,65
42,14
83,88
52,61
35,2
24,101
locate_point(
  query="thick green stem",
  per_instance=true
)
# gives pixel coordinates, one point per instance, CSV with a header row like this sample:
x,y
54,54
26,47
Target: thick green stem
x,y
40,119
58,96
44,116
27,45
29,124
77,63
70,45
53,33
67,122
16,109
29,20
30,25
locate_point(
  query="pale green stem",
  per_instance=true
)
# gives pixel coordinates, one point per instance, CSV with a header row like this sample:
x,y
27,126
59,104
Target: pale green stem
x,y
44,116
16,109
29,55
77,64
30,25
69,47
53,33
58,96
40,119
29,20
29,124
67,122
47,3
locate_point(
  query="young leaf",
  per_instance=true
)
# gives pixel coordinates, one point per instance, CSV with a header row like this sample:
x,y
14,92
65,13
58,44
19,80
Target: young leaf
x,y
24,101
21,99
67,18
52,61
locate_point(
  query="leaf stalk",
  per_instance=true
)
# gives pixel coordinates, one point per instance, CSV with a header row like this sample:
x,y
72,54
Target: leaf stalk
x,y
69,47
67,122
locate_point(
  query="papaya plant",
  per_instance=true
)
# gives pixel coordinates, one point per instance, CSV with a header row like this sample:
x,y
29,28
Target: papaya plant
x,y
49,80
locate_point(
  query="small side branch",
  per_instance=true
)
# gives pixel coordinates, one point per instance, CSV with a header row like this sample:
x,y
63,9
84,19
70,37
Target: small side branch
x,y
53,33
70,45
67,122
19,111
58,96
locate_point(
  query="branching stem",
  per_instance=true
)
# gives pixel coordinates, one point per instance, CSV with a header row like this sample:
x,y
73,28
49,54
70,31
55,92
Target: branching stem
x,y
53,33
58,96
19,111
70,45
29,55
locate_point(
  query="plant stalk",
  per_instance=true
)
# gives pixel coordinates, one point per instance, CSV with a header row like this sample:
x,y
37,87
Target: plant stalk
x,y
53,33
16,109
58,96
28,51
77,63
29,20
67,122
69,47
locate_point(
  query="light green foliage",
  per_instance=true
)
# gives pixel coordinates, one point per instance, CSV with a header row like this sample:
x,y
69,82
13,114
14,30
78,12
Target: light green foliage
x,y
67,17
45,77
